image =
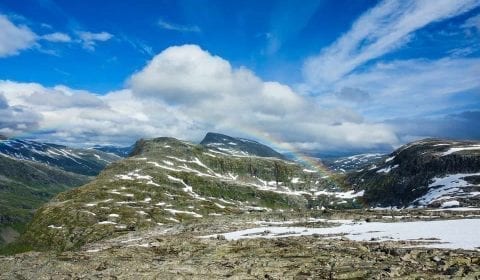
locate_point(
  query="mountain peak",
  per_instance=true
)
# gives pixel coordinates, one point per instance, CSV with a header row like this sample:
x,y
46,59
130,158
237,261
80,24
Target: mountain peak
x,y
238,146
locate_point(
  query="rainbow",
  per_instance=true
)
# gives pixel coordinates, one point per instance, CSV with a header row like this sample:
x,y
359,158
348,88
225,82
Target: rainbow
x,y
267,139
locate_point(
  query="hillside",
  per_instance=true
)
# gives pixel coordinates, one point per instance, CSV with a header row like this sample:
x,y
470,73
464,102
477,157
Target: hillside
x,y
24,186
168,181
431,172
31,173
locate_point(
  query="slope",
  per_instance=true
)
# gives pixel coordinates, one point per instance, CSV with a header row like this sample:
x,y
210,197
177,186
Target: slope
x,y
168,181
430,172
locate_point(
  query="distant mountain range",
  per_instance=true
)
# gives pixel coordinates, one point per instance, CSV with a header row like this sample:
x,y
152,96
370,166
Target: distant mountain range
x,y
32,172
119,151
81,161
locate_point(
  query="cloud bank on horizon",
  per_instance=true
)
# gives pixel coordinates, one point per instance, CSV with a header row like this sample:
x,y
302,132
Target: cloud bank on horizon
x,y
368,89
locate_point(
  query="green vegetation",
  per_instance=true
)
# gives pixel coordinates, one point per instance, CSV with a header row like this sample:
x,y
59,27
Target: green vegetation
x,y
168,181
24,186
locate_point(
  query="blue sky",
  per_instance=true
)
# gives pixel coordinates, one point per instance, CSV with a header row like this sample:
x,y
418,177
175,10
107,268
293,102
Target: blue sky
x,y
349,75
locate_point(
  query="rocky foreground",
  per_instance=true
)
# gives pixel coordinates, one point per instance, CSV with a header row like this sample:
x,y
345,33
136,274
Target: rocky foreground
x,y
203,250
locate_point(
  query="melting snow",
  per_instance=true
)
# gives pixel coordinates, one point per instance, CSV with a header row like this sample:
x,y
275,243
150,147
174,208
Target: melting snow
x,y
173,211
452,234
451,203
173,220
387,169
444,187
454,150
389,159
349,194
55,227
106,223
309,171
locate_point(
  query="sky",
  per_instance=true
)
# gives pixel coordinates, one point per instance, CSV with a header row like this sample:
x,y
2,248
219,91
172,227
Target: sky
x,y
314,75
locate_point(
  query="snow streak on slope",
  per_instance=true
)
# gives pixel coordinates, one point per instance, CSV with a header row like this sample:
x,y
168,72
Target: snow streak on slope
x,y
447,187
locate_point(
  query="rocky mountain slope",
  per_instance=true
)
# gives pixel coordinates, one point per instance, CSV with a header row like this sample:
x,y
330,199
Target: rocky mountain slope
x,y
431,172
238,146
81,161
168,181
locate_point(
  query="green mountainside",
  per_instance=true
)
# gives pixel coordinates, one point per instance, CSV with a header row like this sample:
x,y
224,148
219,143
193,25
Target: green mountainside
x,y
168,181
25,186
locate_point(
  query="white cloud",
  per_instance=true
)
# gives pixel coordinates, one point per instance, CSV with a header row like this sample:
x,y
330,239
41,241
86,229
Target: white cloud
x,y
57,37
177,27
185,91
384,28
14,38
219,97
90,39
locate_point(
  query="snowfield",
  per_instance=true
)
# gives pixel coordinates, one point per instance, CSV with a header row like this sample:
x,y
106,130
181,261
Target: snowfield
x,y
449,234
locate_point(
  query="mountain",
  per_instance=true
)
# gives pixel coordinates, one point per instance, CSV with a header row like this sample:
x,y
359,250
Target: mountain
x,y
168,181
430,172
221,143
31,173
119,151
87,162
26,185
353,163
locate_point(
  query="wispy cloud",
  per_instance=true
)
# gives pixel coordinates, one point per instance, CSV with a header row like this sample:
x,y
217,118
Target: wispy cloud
x,y
90,39
178,27
379,31
287,19
57,37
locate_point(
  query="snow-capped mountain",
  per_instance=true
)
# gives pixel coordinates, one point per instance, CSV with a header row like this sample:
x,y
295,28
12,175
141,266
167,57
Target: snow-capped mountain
x,y
81,161
353,163
430,172
228,145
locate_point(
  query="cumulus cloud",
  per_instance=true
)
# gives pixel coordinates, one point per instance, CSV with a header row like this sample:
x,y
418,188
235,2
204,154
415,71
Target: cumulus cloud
x,y
208,89
14,38
384,28
185,91
90,39
16,119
